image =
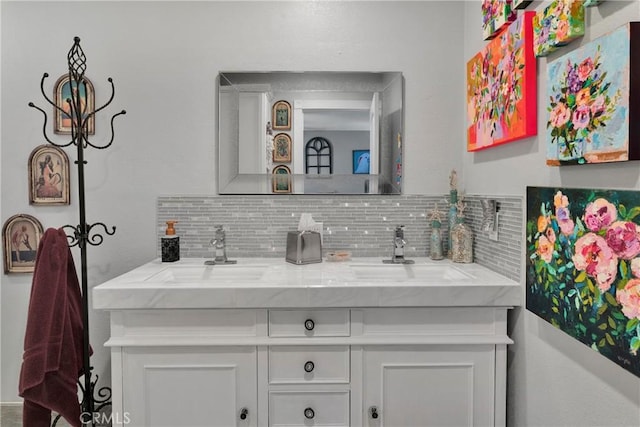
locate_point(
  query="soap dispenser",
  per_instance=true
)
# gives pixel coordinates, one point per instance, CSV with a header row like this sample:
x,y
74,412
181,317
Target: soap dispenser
x,y
170,244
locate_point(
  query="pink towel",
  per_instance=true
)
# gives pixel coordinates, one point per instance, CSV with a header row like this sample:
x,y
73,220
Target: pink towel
x,y
53,349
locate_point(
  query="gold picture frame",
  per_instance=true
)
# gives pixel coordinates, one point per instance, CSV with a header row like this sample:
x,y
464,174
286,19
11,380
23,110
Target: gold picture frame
x,y
48,176
281,179
281,115
61,92
21,235
282,148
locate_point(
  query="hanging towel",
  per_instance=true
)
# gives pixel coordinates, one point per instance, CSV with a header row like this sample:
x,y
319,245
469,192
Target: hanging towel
x,y
53,342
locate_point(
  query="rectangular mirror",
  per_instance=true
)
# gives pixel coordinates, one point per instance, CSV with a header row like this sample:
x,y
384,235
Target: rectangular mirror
x,y
310,132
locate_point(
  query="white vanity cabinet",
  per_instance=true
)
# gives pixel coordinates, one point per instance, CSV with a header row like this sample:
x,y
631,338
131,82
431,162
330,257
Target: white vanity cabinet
x,y
412,366
313,345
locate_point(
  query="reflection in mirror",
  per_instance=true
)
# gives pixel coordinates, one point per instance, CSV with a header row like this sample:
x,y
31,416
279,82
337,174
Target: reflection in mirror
x,y
337,132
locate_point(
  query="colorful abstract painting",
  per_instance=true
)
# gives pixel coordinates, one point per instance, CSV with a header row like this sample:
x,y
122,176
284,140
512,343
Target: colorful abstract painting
x,y
501,88
583,267
496,16
557,25
591,94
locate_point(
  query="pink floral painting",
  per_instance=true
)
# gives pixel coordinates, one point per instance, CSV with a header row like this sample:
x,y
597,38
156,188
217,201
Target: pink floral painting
x,y
557,25
583,267
501,88
590,92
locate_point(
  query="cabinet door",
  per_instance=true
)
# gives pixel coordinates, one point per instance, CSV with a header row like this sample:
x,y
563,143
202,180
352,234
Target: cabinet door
x,y
428,386
190,387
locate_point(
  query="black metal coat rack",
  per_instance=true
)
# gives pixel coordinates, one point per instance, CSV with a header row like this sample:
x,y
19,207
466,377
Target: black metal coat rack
x,y
84,234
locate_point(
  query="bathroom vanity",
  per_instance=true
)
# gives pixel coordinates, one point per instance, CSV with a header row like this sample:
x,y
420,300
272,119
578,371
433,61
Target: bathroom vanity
x,y
268,343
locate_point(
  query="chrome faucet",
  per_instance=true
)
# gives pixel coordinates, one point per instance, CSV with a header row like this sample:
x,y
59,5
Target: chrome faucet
x,y
399,243
219,245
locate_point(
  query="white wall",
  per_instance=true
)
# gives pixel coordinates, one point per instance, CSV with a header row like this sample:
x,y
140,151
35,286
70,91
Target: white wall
x,y
553,379
164,58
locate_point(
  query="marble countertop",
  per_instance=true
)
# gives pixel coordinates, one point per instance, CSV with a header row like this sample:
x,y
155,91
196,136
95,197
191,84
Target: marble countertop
x,y
275,283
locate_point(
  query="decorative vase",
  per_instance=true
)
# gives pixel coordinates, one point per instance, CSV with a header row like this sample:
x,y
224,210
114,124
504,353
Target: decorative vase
x,y
436,241
462,242
452,217
571,151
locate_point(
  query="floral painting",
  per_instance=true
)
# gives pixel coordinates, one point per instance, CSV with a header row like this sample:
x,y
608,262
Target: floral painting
x,y
557,25
501,88
583,267
588,92
496,15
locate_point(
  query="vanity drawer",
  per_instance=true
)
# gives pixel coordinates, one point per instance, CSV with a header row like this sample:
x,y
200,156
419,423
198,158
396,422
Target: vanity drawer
x,y
309,323
429,321
309,408
309,364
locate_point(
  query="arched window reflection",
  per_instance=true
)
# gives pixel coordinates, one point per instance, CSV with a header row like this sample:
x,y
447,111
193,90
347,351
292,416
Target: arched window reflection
x,y
318,156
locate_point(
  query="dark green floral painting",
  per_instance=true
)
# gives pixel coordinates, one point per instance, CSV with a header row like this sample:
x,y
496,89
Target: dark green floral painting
x,y
583,267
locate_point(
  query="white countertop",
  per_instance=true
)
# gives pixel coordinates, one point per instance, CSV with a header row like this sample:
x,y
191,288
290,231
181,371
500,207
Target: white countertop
x,y
273,283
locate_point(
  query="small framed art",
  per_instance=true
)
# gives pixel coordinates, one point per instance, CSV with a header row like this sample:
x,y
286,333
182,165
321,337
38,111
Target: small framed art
x,y
361,161
282,148
64,91
281,113
281,179
21,235
48,176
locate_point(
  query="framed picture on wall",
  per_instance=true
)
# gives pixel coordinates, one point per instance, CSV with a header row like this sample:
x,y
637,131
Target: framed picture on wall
x,y
361,161
592,94
281,179
282,148
64,91
581,274
281,113
502,88
48,176
21,235
557,25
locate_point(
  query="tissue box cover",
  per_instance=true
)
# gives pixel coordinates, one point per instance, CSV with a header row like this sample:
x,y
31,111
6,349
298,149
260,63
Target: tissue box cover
x,y
303,247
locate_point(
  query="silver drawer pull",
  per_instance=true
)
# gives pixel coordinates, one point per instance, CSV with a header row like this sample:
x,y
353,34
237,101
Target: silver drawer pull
x,y
309,413
308,367
309,325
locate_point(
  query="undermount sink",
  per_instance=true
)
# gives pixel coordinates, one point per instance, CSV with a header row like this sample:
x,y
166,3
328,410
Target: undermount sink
x,y
208,273
408,272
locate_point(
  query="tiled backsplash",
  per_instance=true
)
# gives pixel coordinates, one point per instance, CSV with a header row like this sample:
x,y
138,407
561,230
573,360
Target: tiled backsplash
x,y
364,225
